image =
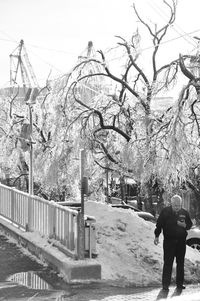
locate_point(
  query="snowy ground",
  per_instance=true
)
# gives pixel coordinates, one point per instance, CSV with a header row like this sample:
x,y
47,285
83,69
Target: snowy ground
x,y
126,250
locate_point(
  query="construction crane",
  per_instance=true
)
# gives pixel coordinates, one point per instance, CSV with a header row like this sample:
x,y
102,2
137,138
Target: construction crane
x,y
19,63
90,66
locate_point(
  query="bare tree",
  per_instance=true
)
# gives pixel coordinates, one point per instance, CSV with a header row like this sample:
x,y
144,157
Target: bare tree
x,y
115,113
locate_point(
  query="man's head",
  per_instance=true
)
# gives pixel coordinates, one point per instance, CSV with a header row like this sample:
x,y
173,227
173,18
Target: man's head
x,y
176,202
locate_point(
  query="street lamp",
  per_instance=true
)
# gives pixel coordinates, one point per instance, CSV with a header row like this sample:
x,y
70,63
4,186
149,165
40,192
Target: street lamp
x,y
30,100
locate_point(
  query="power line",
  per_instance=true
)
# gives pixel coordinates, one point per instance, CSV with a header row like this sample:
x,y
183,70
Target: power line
x,y
11,39
36,46
57,50
52,49
40,47
46,62
164,42
7,40
181,36
163,15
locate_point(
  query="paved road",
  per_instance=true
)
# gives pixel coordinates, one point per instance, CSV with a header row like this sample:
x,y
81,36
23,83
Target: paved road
x,y
131,294
22,278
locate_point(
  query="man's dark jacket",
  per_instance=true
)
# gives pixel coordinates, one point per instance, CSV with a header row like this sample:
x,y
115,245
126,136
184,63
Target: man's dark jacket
x,y
167,221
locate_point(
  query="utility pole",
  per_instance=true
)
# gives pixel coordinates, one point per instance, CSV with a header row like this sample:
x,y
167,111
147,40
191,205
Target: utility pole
x,y
107,185
81,221
82,169
31,151
30,100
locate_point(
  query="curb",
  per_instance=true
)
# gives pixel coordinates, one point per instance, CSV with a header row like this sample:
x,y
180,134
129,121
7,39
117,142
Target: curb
x,y
71,270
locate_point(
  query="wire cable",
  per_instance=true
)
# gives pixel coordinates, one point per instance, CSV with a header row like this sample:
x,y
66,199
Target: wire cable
x,y
164,42
163,15
11,39
51,49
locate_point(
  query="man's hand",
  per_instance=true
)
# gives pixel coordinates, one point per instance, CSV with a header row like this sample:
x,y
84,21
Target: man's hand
x,y
181,224
156,241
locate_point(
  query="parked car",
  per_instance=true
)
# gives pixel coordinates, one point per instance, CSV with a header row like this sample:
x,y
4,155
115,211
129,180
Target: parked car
x,y
72,205
193,238
143,214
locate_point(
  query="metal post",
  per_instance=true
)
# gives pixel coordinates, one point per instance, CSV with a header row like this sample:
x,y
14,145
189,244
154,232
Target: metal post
x,y
82,167
31,152
107,184
81,222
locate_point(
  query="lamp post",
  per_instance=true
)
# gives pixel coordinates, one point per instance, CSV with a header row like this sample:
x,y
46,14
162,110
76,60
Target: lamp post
x,y
30,100
81,224
31,151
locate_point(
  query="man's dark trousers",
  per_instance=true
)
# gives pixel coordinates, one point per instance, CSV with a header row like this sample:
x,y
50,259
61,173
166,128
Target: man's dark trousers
x,y
173,248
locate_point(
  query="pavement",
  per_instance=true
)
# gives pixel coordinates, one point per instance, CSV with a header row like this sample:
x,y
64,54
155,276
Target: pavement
x,y
106,293
191,293
71,270
22,278
12,292
93,292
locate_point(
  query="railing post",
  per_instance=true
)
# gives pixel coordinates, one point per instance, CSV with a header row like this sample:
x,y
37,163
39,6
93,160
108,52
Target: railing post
x,y
71,228
12,204
80,217
30,214
81,236
52,221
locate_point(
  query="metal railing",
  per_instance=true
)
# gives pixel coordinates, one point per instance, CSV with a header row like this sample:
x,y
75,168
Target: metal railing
x,y
57,223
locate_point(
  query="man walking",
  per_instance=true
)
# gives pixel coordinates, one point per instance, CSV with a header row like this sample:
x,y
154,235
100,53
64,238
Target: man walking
x,y
173,221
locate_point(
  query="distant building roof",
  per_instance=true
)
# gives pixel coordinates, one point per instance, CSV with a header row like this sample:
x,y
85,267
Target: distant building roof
x,y
162,103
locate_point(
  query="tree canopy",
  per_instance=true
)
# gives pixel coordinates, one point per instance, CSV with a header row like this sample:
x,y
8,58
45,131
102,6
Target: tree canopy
x,y
105,105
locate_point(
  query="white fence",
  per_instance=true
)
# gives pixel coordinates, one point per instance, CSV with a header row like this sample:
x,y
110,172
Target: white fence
x,y
31,213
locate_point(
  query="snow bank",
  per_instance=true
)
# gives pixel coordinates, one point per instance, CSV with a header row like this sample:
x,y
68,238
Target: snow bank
x,y
126,250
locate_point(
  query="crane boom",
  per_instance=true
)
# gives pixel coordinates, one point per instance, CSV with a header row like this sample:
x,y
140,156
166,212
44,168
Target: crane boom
x,y
19,62
30,67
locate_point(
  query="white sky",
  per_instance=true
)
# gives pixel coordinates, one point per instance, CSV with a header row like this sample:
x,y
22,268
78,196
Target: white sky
x,y
55,32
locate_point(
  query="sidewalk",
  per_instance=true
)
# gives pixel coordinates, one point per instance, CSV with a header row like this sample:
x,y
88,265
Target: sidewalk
x,y
191,293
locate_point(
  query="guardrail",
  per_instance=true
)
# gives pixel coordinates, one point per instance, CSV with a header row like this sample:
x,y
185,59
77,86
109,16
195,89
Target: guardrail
x,y
57,223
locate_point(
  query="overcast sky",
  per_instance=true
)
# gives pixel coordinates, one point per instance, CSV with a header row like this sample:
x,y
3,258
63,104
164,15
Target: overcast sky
x,y
56,32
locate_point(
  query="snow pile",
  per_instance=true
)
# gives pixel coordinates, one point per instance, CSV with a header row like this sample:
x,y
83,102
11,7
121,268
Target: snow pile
x,y
126,250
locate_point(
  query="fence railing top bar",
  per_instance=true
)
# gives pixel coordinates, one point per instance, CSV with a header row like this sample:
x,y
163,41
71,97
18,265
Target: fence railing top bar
x,y
64,208
7,187
35,197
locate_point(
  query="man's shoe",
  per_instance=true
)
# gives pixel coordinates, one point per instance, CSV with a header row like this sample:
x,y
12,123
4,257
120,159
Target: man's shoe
x,y
180,287
165,288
